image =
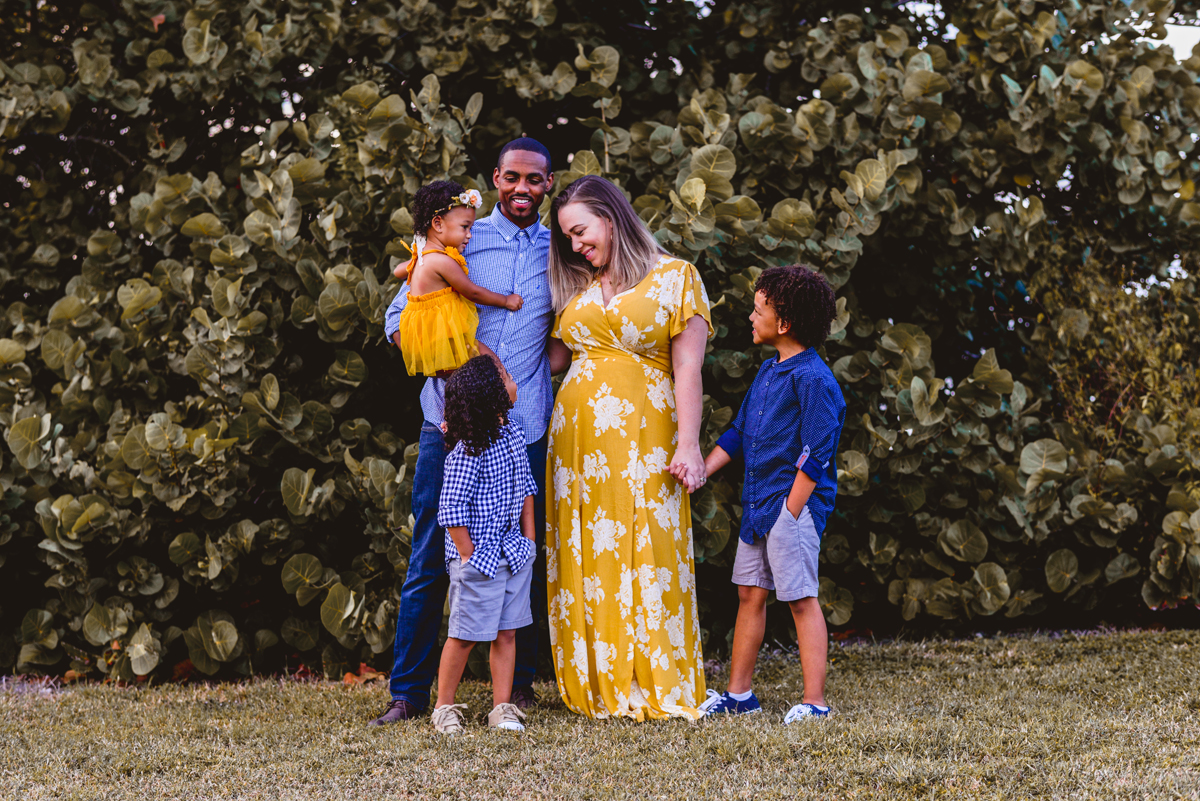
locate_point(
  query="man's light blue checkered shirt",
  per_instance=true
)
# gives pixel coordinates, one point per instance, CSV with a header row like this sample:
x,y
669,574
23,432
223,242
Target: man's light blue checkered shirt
x,y
505,258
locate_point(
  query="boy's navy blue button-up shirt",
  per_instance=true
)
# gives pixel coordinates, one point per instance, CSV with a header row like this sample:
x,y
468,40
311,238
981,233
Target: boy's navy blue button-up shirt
x,y
486,493
790,419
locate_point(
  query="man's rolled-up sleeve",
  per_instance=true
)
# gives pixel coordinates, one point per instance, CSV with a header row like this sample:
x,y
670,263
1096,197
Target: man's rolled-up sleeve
x,y
391,320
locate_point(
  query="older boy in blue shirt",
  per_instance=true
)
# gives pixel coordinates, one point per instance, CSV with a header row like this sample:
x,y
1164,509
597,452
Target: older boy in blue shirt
x,y
787,430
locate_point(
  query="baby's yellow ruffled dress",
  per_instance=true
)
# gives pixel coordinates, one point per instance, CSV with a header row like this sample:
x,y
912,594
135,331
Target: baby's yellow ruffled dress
x,y
437,329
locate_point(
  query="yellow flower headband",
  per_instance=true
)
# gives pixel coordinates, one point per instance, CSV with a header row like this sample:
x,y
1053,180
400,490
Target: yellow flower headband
x,y
471,198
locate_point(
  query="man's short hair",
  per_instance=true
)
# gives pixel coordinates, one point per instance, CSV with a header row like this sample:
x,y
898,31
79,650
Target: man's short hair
x,y
802,300
527,144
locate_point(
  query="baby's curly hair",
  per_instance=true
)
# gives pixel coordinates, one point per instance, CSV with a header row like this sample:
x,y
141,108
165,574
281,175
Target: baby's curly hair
x,y
477,405
432,197
802,300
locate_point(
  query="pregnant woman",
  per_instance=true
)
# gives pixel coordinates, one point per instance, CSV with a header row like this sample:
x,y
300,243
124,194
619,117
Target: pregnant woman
x,y
624,454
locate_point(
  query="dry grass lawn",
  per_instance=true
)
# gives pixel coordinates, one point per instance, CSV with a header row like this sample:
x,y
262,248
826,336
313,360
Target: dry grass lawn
x,y
1108,715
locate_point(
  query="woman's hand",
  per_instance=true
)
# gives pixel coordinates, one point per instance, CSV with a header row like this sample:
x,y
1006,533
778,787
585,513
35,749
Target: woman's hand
x,y
687,356
687,466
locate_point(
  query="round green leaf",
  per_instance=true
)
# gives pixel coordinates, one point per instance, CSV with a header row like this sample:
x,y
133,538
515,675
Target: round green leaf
x,y
715,158
836,602
102,625
218,635
1045,455
24,438
988,373
307,171
196,652
264,639
337,609
991,585
924,83
142,651
348,368
185,548
912,494
336,306
269,387
1122,566
12,352
56,345
362,96
1061,567
874,176
302,570
203,225
38,628
134,449
964,541
1081,70
692,192
295,486
300,634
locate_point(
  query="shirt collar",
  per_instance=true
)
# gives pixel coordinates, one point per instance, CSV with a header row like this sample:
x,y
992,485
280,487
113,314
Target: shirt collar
x,y
508,229
787,365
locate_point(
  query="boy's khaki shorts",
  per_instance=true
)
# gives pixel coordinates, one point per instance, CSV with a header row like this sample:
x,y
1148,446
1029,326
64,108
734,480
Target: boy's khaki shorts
x,y
481,607
785,560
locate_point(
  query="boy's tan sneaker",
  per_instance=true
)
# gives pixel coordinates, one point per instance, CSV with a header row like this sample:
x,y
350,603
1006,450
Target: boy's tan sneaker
x,y
506,716
448,719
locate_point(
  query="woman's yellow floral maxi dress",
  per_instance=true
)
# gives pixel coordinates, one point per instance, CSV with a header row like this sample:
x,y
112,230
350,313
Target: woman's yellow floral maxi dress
x,y
624,628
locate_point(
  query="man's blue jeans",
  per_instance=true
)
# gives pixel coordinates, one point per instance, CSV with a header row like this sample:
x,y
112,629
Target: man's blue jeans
x,y
423,596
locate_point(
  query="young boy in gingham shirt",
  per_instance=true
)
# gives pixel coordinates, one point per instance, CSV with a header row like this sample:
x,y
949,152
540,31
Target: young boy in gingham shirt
x,y
787,430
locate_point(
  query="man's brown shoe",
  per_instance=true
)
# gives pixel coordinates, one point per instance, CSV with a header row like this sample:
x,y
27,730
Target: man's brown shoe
x,y
399,709
524,697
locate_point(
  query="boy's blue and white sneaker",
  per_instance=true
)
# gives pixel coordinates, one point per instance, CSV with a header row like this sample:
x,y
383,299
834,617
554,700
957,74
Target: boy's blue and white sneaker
x,y
805,712
718,703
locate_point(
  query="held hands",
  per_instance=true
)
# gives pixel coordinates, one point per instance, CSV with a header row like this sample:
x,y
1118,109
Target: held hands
x,y
687,466
513,302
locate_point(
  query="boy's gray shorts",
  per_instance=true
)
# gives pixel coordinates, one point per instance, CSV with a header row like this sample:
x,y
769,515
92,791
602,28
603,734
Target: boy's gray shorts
x,y
785,560
480,607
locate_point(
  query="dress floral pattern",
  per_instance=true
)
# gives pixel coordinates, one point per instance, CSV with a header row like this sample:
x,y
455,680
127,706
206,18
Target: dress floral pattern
x,y
624,627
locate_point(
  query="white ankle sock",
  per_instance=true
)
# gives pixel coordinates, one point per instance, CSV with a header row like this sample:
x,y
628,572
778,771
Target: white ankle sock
x,y
742,696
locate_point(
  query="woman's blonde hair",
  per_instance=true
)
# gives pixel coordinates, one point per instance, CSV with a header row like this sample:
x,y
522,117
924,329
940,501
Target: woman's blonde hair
x,y
632,253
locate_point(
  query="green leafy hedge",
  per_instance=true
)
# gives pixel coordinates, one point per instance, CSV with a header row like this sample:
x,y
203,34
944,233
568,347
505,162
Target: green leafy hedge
x,y
210,445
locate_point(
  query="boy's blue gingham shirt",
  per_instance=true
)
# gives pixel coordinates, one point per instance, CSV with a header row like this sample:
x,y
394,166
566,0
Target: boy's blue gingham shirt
x,y
790,419
485,493
505,258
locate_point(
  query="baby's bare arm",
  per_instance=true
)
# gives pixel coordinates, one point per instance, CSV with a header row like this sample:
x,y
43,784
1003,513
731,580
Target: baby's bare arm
x,y
449,271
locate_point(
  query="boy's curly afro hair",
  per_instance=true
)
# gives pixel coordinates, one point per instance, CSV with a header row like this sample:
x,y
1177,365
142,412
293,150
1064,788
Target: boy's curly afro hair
x,y
433,196
477,405
802,300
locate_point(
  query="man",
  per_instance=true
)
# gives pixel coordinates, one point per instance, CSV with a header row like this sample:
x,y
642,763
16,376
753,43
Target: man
x,y
508,253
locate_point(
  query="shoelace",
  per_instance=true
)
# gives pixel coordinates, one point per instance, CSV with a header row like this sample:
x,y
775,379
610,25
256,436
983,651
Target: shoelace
x,y
449,711
804,711
713,699
510,713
